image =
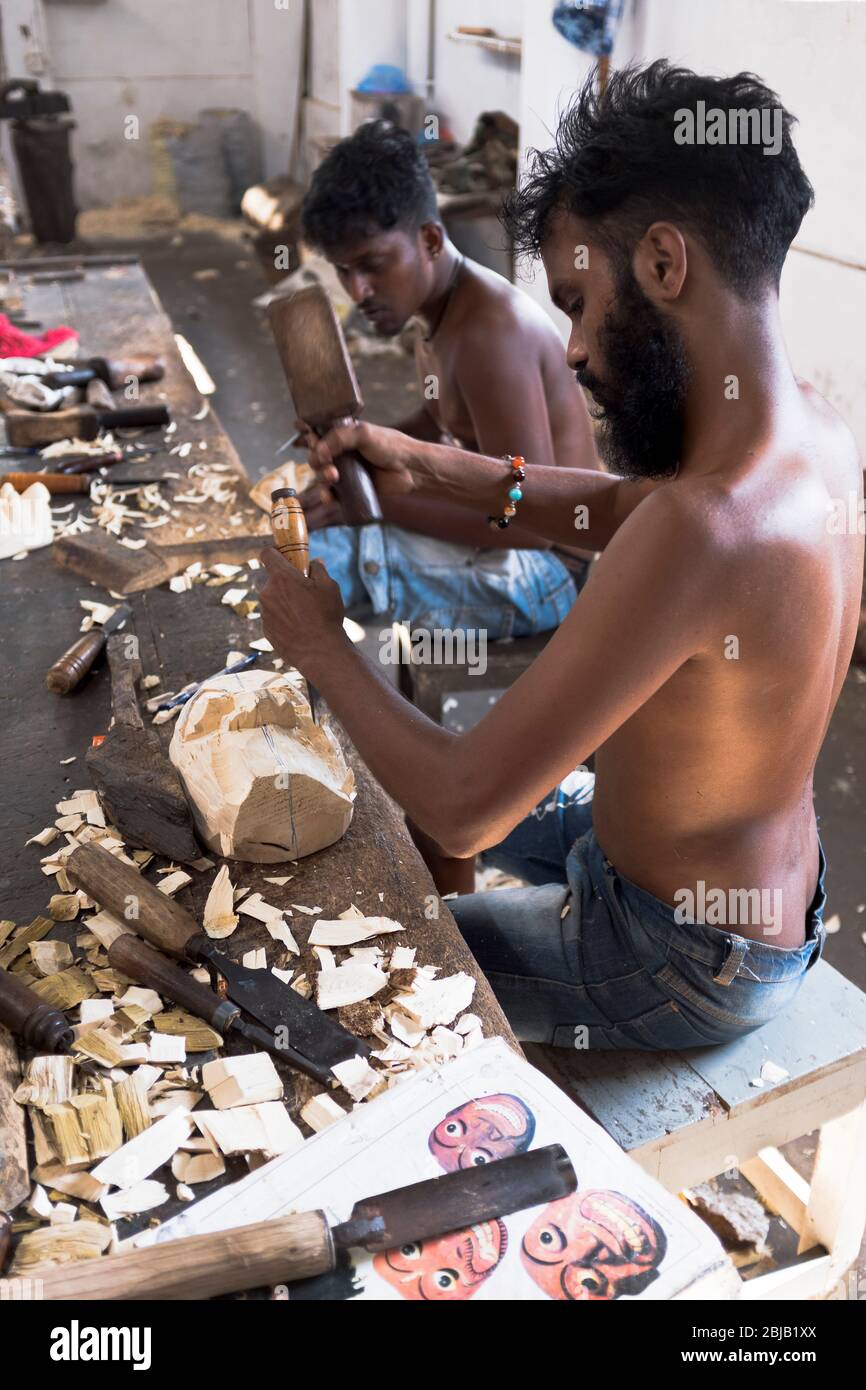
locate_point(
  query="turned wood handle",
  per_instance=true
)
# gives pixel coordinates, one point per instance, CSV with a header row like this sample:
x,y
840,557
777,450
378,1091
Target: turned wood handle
x,y
55,482
147,967
289,528
355,491
74,664
124,892
249,1257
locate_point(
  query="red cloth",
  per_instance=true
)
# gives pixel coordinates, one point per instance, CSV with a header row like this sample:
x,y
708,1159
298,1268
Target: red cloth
x,y
15,343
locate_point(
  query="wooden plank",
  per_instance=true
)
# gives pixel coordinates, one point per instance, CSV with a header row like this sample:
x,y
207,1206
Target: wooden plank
x,y
780,1187
687,1157
825,1024
836,1214
639,1097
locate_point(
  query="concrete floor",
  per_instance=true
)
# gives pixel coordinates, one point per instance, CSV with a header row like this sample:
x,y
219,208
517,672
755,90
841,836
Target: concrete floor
x,y
234,341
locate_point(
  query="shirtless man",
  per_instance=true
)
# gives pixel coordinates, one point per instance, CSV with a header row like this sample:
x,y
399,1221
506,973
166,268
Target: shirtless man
x,y
492,375
680,904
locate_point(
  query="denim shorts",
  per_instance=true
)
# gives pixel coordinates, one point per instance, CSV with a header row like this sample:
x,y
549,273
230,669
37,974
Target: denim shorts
x,y
432,583
588,959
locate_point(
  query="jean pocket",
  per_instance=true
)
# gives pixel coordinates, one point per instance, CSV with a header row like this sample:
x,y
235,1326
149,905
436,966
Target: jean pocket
x,y
740,1006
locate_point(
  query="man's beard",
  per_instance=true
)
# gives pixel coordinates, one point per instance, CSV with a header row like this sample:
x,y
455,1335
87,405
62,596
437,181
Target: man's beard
x,y
642,396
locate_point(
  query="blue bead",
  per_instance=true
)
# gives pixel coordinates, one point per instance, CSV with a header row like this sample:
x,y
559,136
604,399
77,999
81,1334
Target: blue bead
x,y
515,493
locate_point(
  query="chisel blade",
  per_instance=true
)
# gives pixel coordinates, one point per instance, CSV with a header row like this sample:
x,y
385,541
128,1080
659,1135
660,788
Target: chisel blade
x,y
279,1007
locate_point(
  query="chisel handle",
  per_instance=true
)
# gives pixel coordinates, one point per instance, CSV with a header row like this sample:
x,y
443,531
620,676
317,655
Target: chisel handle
x,y
289,528
74,664
123,892
55,482
153,970
30,1018
269,1252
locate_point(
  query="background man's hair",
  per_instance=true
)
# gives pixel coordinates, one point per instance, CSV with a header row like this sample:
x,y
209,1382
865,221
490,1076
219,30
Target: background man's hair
x,y
616,164
374,180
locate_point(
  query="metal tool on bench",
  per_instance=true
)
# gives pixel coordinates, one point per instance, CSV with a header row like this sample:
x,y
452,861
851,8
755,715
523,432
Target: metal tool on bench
x,y
186,695
114,372
318,1040
288,1248
27,427
76,661
152,969
324,387
137,784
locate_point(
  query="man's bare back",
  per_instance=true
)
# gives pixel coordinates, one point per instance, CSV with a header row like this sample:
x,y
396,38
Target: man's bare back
x,y
711,779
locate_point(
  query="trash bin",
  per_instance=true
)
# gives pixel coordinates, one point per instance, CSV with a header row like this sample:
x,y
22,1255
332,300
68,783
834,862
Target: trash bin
x,y
42,150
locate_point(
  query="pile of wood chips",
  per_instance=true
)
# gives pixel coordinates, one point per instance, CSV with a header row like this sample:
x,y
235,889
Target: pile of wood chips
x,y
130,1100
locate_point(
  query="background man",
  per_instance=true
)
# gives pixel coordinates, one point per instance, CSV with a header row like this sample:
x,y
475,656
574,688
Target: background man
x,y
491,372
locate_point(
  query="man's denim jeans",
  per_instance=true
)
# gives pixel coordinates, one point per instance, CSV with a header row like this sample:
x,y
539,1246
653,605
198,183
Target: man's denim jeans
x,y
589,959
436,584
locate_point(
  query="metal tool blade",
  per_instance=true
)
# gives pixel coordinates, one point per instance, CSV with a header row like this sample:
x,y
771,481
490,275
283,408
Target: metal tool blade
x,y
120,615
283,1012
261,1037
458,1200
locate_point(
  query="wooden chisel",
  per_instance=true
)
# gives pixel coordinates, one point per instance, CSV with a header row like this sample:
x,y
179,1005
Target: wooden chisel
x,y
288,1248
74,664
321,1040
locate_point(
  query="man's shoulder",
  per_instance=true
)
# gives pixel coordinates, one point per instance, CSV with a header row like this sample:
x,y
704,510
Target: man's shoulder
x,y
495,306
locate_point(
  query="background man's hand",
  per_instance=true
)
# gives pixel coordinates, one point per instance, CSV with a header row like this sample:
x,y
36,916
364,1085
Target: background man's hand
x,y
388,451
321,508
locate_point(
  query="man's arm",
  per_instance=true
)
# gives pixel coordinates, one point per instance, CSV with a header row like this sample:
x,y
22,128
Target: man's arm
x,y
503,391
559,504
644,612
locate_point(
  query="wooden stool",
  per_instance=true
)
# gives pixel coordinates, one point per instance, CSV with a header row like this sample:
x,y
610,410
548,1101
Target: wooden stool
x,y
688,1116
426,686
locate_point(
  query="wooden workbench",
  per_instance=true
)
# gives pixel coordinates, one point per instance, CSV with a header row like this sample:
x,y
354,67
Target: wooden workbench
x,y
183,637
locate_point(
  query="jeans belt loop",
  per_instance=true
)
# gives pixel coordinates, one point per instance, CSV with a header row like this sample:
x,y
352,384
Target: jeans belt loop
x,y
733,961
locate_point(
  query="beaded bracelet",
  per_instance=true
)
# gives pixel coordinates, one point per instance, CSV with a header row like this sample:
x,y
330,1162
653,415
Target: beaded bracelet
x,y
515,491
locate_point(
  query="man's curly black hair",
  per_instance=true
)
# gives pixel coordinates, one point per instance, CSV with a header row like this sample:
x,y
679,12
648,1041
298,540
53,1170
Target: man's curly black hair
x,y
616,164
372,181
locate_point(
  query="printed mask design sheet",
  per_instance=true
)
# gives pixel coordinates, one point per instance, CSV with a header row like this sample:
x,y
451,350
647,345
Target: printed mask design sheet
x,y
620,1235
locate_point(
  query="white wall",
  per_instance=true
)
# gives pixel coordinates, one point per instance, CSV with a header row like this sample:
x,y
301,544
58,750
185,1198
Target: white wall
x,y
813,54
469,79
163,59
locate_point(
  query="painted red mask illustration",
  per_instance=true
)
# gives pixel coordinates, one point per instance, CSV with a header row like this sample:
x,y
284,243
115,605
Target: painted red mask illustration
x,y
482,1130
593,1245
448,1268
